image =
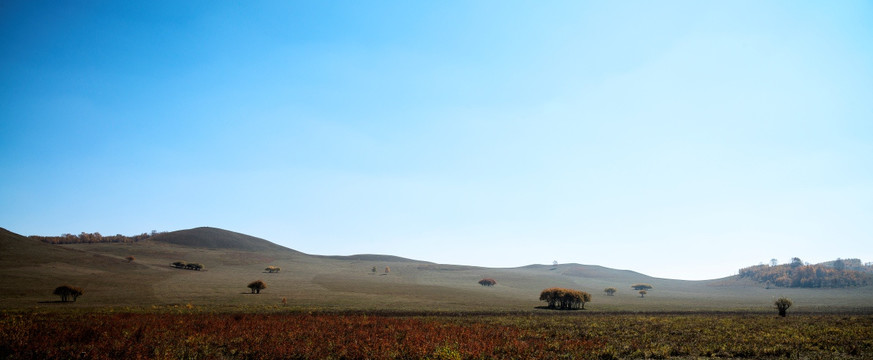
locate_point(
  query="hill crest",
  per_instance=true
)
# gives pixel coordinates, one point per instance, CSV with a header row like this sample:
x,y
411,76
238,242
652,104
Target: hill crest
x,y
215,238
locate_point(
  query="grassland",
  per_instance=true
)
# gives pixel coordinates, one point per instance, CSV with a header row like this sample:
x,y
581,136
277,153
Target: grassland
x,y
30,270
338,308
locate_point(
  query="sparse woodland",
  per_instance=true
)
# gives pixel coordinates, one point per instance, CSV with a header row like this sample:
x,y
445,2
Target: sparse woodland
x,y
797,274
93,238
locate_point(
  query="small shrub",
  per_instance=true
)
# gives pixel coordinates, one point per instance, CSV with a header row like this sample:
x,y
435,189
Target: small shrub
x,y
782,304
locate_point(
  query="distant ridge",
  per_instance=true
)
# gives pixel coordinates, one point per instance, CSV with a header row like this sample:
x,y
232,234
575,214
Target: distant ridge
x,y
214,238
373,257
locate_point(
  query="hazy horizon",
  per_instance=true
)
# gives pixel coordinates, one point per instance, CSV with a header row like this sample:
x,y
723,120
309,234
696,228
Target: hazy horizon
x,y
678,139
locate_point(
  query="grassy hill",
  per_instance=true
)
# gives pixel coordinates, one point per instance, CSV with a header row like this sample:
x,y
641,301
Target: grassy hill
x,y
30,270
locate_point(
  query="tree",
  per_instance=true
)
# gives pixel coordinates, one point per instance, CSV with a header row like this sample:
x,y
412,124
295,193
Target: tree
x,y
487,282
610,291
642,286
565,299
643,293
257,286
796,262
130,258
774,262
374,270
67,291
782,304
272,269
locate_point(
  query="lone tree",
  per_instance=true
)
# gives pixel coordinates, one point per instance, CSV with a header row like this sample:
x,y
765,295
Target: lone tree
x,y
565,299
257,286
610,291
643,293
782,304
67,291
130,258
489,282
272,269
642,286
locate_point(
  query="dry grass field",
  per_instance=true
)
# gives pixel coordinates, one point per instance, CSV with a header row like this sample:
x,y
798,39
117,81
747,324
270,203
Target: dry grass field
x,y
337,307
30,270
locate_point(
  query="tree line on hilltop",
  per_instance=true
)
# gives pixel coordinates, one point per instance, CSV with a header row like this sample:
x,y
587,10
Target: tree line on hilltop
x,y
93,238
838,273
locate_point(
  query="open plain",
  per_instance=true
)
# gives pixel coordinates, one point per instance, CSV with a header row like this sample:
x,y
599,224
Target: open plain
x,y
381,306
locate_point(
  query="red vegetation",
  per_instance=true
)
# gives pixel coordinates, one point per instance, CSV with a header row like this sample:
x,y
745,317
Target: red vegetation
x,y
259,336
360,336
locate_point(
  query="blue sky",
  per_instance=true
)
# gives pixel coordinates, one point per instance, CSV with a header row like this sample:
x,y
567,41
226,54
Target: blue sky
x,y
678,139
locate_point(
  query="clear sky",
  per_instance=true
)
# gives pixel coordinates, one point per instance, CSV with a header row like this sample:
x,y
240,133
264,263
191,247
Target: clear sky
x,y
678,139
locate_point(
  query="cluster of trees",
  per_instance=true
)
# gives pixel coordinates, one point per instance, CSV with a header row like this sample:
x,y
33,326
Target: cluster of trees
x,y
66,292
799,274
187,266
272,269
565,299
610,291
256,286
93,238
488,282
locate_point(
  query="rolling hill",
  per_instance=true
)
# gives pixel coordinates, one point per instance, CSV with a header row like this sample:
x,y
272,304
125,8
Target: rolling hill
x,y
30,270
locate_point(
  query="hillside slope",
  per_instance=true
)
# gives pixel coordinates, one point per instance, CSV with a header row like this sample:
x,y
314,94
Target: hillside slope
x,y
30,269
213,238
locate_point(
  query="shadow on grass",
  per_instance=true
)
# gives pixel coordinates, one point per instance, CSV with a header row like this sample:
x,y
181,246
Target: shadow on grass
x,y
542,307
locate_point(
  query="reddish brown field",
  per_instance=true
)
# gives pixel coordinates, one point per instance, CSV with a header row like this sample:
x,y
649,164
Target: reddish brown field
x,y
360,336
